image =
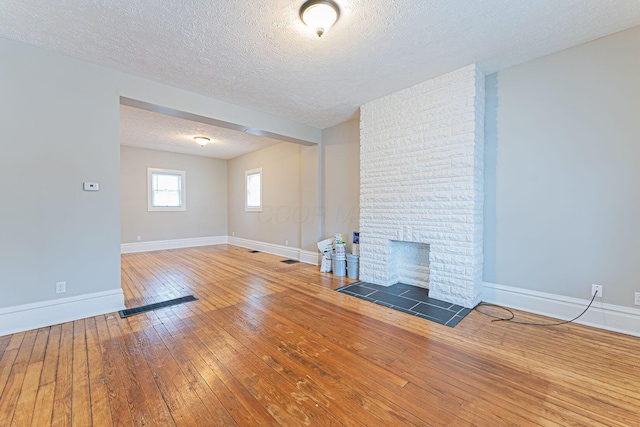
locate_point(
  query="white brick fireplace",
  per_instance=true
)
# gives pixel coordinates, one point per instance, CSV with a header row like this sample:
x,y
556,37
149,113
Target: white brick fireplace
x,y
421,187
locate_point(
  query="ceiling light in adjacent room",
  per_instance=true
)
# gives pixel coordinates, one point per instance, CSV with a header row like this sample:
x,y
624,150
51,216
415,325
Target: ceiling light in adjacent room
x,y
319,15
202,140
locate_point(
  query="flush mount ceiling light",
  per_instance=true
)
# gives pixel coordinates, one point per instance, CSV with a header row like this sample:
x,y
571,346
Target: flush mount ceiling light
x,y
202,140
319,15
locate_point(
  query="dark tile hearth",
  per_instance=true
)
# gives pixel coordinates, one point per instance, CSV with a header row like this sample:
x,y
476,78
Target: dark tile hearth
x,y
408,299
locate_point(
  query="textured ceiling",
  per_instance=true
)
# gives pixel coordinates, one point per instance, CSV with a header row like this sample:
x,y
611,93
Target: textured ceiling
x,y
257,53
146,129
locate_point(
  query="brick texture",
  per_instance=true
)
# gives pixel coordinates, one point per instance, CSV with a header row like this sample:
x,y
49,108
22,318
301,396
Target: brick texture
x,y
421,181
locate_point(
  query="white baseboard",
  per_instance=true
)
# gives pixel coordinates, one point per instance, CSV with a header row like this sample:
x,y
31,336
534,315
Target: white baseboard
x,y
46,313
158,245
307,257
600,315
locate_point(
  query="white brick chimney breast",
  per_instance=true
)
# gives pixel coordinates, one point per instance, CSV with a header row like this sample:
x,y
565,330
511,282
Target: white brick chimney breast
x,y
421,187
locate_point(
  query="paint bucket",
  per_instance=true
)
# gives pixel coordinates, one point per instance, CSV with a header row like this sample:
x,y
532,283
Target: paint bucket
x,y
339,267
352,266
341,250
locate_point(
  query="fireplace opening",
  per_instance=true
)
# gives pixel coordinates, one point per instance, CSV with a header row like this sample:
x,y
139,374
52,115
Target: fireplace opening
x,y
408,263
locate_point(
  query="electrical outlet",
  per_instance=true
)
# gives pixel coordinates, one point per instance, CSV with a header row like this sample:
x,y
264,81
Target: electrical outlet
x,y
233,234
138,238
596,290
637,301
90,186
61,287
286,243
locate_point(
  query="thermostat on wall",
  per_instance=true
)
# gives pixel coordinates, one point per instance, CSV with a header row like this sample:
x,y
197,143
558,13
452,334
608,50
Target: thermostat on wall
x,y
91,186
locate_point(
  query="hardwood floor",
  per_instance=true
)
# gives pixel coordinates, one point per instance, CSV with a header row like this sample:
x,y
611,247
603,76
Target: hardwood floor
x,y
271,344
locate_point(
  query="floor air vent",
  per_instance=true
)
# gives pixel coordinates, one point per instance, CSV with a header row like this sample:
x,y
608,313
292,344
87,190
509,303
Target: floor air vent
x,y
144,308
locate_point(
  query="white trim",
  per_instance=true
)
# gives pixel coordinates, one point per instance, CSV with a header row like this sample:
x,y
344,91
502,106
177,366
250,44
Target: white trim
x,y
46,313
310,257
601,315
307,257
270,248
158,245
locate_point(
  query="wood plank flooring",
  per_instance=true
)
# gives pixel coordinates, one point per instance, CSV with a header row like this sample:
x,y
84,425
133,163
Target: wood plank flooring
x,y
270,344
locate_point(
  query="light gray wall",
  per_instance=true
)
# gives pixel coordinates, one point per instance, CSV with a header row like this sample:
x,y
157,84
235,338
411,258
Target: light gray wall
x,y
341,145
562,178
59,126
295,179
206,191
309,188
281,199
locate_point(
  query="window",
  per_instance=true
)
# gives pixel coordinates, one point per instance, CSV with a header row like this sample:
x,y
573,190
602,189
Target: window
x,y
166,190
253,193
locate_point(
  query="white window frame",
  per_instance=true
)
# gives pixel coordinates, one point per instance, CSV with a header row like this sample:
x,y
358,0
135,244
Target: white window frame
x,y
183,190
247,173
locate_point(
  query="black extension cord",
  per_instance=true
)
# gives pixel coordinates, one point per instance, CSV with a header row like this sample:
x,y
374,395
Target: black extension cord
x,y
510,319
